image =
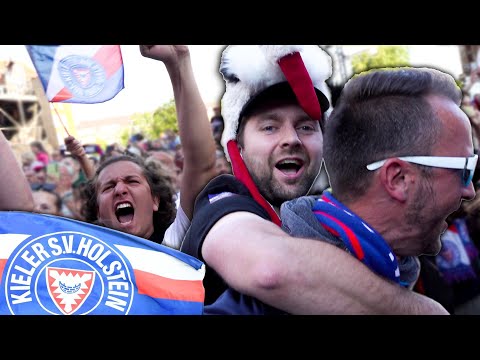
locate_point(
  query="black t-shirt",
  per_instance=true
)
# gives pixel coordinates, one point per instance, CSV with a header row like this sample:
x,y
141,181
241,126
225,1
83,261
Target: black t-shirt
x,y
223,195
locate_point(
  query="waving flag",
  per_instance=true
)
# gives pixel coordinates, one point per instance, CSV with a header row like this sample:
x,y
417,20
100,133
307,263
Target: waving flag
x,y
84,74
51,265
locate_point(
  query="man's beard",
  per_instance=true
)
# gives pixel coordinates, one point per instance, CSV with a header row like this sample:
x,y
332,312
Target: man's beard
x,y
274,192
419,212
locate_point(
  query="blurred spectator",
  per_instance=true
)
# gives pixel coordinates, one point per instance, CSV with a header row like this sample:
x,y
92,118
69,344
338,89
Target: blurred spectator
x,y
170,139
476,101
217,125
56,155
95,160
74,162
167,161
467,105
36,175
47,202
136,145
77,201
39,171
40,153
156,144
37,165
222,165
93,149
64,187
134,151
27,158
112,150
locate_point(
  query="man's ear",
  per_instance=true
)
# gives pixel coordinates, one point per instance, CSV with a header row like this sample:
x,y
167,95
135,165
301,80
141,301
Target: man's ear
x,y
239,147
397,177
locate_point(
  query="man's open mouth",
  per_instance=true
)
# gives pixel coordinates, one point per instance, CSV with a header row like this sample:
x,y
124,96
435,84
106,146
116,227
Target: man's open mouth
x,y
289,166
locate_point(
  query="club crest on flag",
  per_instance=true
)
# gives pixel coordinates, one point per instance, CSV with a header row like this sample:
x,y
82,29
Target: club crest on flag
x,y
69,288
82,76
67,260
68,267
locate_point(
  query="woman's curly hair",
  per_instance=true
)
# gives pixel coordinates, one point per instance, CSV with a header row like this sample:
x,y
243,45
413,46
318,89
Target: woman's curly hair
x,y
160,183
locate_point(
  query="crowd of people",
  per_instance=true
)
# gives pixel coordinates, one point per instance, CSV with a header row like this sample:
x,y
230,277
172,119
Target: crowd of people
x,y
400,149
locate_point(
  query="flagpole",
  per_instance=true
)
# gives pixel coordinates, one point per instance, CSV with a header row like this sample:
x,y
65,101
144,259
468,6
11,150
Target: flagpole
x,y
59,118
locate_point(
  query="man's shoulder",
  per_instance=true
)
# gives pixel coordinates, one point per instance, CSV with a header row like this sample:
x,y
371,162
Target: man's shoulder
x,y
299,220
221,187
298,206
307,200
223,195
226,182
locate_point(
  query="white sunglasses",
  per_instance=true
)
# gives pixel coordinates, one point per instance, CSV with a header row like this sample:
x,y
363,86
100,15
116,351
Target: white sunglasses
x,y
467,164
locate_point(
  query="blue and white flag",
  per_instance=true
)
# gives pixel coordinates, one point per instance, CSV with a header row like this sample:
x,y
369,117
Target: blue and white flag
x,y
51,265
83,74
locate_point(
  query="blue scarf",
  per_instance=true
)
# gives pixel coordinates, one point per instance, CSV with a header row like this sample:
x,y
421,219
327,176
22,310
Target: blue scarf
x,y
363,242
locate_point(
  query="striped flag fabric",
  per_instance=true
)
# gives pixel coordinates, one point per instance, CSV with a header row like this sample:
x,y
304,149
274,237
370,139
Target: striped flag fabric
x,y
84,74
51,265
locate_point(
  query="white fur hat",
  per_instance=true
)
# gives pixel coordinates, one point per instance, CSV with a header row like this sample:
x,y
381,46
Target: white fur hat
x,y
250,70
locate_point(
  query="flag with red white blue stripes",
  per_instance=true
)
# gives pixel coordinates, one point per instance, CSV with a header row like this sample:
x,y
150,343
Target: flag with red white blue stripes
x,y
51,265
85,74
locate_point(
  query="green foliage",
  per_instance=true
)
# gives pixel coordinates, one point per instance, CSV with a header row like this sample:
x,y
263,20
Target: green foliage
x,y
386,56
152,125
123,136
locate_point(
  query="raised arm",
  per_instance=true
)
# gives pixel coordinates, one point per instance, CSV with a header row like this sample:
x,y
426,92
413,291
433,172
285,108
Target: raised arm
x,y
78,151
302,276
15,192
194,126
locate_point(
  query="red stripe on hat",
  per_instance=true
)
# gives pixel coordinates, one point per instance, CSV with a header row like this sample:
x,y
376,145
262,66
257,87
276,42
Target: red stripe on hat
x,y
240,171
297,76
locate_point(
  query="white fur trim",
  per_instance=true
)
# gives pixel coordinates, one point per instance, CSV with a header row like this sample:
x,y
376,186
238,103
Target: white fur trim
x,y
275,52
256,67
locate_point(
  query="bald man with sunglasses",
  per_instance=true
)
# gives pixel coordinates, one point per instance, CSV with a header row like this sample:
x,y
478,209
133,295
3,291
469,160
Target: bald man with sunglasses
x,y
400,158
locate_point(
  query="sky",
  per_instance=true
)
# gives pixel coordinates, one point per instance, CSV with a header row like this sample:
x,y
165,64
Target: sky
x,y
147,85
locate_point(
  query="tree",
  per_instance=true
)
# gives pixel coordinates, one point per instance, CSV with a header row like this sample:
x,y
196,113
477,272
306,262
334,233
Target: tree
x,y
152,125
386,56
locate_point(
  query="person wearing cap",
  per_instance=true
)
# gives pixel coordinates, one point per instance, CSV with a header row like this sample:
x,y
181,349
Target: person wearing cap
x,y
399,154
15,192
132,196
274,106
